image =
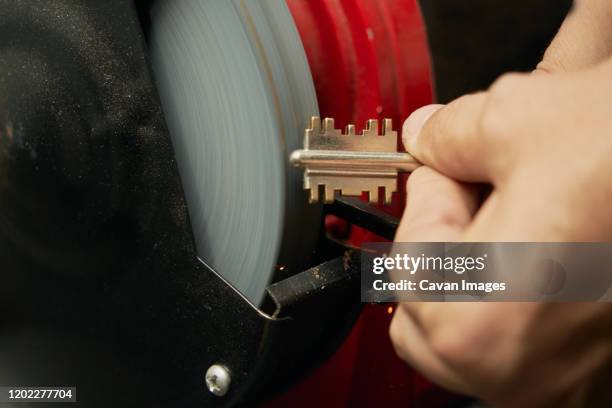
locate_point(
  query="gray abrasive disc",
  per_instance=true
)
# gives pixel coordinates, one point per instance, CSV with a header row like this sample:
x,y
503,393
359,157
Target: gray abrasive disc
x,y
237,93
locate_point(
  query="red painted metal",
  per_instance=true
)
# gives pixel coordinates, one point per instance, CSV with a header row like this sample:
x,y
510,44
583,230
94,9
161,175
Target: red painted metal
x,y
369,59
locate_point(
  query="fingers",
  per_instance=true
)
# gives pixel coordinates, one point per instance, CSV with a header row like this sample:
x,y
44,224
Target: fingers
x,y
448,138
437,208
411,346
584,40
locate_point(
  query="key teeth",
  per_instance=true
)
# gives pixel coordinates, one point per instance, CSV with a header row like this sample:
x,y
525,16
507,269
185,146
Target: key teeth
x,y
373,195
328,125
350,130
313,198
371,128
313,194
388,196
329,194
387,127
315,124
306,182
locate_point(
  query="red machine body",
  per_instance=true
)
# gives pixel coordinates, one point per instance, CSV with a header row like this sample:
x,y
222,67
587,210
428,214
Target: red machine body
x,y
369,59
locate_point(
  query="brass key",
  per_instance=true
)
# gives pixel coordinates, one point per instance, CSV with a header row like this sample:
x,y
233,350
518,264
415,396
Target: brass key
x,y
351,164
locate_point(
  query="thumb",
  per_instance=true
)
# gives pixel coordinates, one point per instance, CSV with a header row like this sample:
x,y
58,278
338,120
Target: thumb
x,y
448,138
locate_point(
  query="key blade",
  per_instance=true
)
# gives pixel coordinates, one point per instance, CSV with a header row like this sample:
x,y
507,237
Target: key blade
x,y
349,163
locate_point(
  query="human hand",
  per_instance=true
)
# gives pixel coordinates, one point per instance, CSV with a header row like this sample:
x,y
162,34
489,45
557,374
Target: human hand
x,y
543,142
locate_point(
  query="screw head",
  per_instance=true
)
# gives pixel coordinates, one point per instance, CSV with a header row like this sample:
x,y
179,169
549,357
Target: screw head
x,y
218,380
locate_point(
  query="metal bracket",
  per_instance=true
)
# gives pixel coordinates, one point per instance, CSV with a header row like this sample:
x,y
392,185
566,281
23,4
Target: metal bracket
x,y
364,215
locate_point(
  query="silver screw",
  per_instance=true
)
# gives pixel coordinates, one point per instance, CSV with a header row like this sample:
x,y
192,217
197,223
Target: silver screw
x,y
218,379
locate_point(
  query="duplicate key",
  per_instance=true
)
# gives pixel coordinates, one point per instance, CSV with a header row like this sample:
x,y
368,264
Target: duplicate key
x,y
350,164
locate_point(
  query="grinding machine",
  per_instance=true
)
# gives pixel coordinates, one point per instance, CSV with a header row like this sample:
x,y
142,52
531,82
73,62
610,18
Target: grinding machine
x,y
156,246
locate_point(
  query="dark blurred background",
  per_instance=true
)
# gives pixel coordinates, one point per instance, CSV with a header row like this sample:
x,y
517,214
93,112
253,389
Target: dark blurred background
x,y
474,41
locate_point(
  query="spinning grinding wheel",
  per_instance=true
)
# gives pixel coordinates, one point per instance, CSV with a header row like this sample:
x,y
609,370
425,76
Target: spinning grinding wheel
x,y
237,94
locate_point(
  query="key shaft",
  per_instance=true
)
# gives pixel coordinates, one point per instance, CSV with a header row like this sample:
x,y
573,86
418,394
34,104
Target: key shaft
x,y
338,159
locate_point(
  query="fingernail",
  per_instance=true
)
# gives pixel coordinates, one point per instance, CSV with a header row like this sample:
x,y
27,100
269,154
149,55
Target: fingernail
x,y
414,124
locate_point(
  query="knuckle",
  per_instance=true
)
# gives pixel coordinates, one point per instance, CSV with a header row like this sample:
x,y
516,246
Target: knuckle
x,y
452,346
507,83
502,119
550,65
443,218
459,121
493,123
494,119
406,308
503,93
438,212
